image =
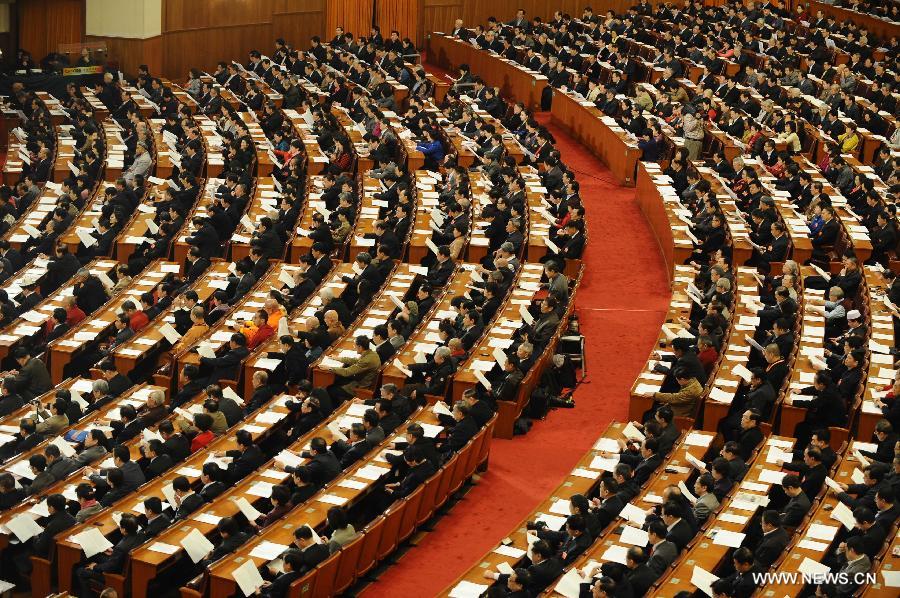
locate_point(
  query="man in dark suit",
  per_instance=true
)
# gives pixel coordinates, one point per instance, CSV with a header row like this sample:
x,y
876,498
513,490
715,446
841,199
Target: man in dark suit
x,y
645,462
309,552
157,461
176,445
773,542
798,503
89,292
420,469
226,366
572,541
187,500
679,530
354,448
640,576
112,562
751,436
323,465
279,587
610,504
544,569
464,430
741,583
662,552
245,459
156,520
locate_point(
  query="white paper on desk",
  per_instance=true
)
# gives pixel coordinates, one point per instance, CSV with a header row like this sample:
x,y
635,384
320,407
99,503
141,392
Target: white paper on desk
x,y
169,493
85,237
634,536
833,485
813,569
604,463
616,554
561,507
703,580
163,548
371,472
742,371
504,568
196,545
204,350
630,431
92,542
268,550
733,518
813,545
170,333
553,522
24,527
467,589
64,447
728,538
821,532
569,585
633,513
775,455
261,489
580,472
842,513
207,518
5,586
857,476
770,476
247,577
698,439
608,445
891,578
526,316
510,551
229,393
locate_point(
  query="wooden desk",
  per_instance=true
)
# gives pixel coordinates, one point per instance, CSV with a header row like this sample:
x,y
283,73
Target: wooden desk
x,y
98,326
265,201
581,480
297,321
380,308
312,513
500,332
882,371
673,470
652,194
69,553
515,82
29,323
649,381
148,340
796,554
599,133
422,340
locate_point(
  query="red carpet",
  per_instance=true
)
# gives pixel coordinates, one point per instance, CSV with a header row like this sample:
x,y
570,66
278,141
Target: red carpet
x,y
621,303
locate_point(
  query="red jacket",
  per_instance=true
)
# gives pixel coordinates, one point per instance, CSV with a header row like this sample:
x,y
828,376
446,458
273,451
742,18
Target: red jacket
x,y
74,315
262,334
201,440
138,320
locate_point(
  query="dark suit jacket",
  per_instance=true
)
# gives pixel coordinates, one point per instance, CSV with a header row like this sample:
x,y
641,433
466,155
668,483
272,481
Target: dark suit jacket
x,y
680,534
43,543
770,548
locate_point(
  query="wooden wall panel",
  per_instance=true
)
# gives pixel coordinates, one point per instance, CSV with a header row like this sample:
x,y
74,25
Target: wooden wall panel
x,y
181,15
217,30
131,53
44,24
297,22
203,48
355,16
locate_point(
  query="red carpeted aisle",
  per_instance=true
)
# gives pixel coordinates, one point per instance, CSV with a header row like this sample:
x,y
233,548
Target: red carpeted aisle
x,y
621,304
